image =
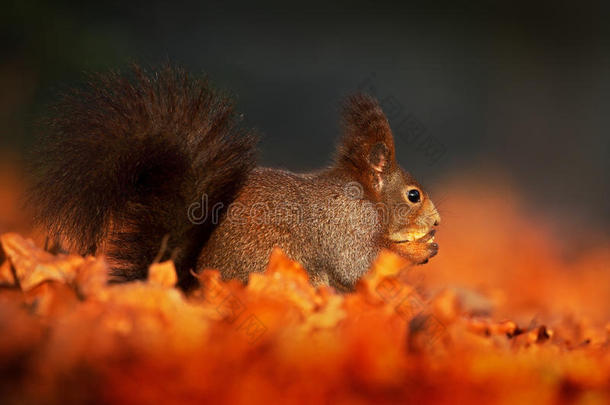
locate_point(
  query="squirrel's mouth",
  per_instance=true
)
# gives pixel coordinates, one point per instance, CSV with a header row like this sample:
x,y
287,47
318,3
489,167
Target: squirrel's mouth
x,y
416,236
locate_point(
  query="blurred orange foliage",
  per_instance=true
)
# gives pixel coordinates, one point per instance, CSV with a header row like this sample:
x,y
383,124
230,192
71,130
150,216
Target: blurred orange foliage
x,y
500,316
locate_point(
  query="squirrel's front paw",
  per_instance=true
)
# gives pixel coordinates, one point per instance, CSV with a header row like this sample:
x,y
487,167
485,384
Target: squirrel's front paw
x,y
421,252
418,251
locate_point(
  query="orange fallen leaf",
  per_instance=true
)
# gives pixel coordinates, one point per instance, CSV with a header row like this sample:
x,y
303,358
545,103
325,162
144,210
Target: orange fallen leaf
x,y
163,274
34,266
6,274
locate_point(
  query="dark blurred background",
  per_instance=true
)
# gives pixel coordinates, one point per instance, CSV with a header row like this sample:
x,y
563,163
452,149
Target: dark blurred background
x,y
513,87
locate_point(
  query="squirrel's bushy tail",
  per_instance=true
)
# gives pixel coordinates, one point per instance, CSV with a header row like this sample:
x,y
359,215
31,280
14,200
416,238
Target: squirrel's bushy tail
x,y
124,159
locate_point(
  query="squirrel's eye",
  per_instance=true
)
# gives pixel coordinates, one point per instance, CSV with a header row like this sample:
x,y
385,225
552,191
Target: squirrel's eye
x,y
413,196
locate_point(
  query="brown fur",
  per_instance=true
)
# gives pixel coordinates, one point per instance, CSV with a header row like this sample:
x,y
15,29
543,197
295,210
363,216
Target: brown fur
x,y
128,156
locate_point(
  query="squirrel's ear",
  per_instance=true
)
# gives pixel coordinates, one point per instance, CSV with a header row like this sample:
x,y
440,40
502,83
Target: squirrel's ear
x,y
367,146
379,163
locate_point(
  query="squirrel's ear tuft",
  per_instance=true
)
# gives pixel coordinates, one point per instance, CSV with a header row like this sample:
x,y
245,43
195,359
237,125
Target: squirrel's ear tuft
x,y
367,146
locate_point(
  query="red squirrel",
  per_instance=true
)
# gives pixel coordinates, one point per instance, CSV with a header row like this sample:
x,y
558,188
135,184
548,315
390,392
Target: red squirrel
x,y
146,166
